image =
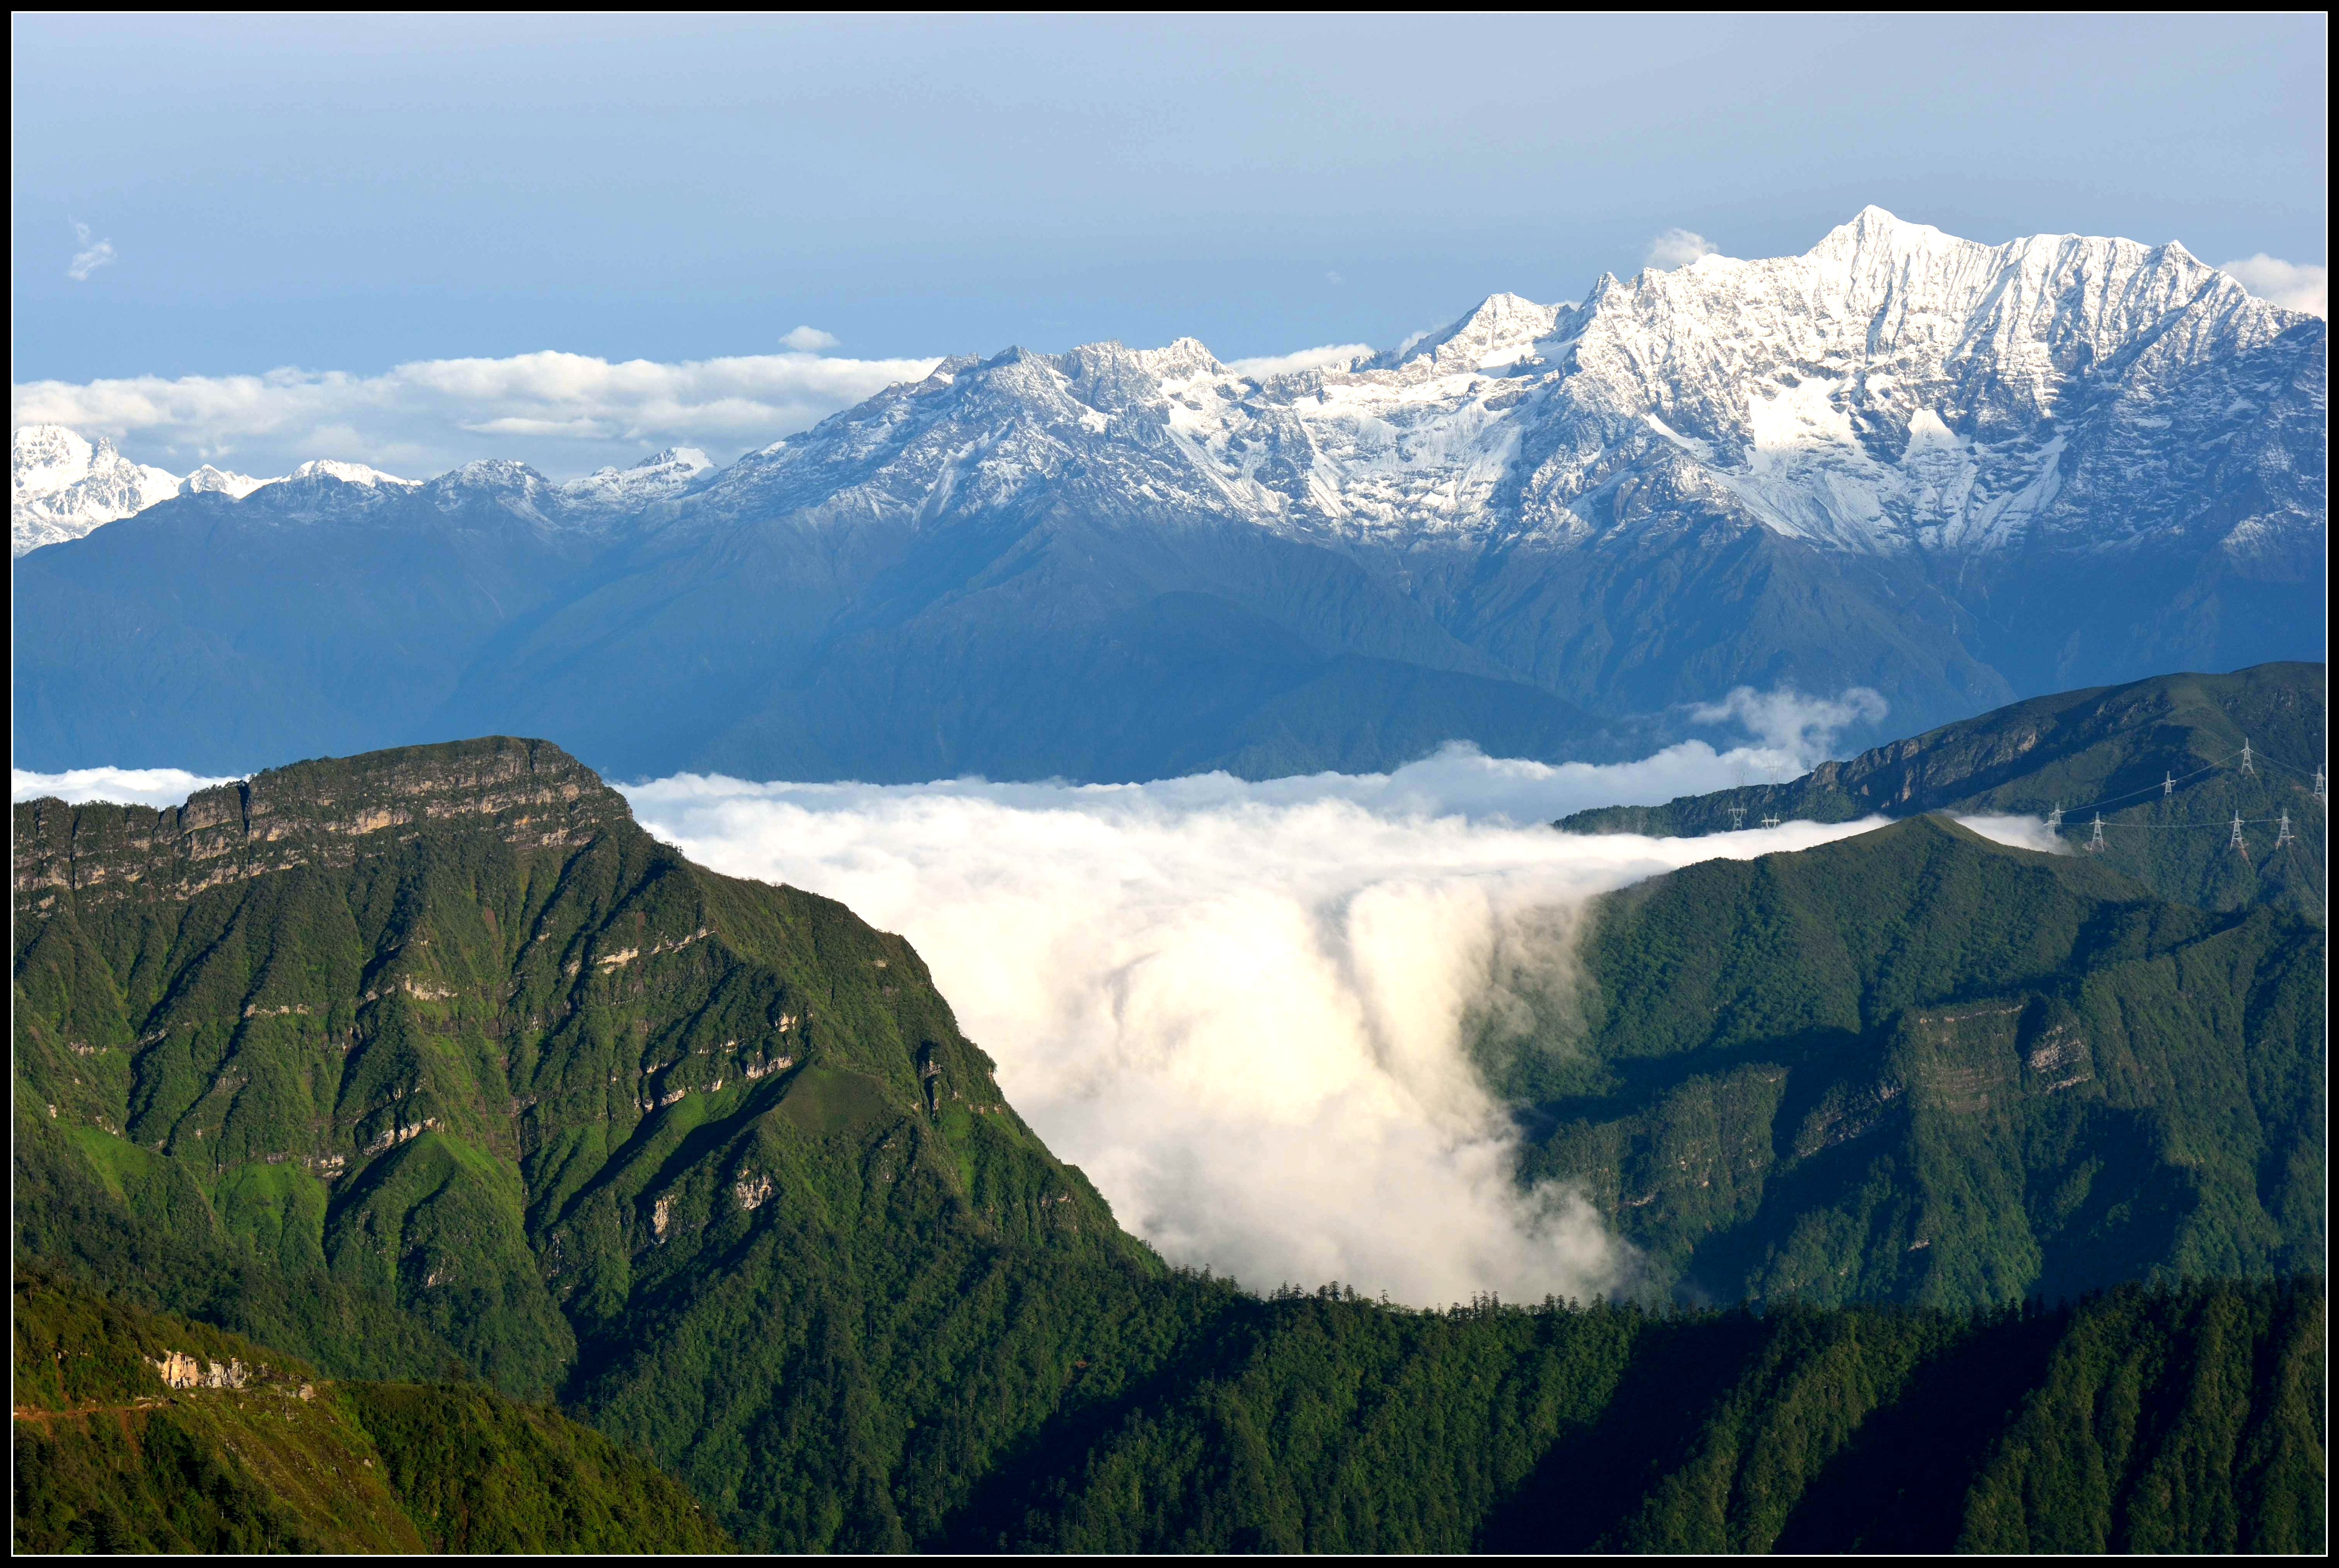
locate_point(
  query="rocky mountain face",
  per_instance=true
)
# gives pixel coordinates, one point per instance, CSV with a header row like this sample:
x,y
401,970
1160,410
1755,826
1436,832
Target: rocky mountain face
x,y
1953,472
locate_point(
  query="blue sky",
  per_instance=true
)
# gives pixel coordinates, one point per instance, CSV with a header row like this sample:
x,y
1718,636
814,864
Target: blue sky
x,y
353,194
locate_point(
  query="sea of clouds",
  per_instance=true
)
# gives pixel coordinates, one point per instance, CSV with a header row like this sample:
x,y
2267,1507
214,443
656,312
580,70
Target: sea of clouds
x,y
1244,1008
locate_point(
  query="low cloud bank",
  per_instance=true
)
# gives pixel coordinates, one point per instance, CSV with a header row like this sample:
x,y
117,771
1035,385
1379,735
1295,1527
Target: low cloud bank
x,y
564,413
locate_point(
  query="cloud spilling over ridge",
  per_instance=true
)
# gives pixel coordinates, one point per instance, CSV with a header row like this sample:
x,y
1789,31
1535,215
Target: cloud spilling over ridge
x,y
2293,285
1242,1009
2020,832
564,413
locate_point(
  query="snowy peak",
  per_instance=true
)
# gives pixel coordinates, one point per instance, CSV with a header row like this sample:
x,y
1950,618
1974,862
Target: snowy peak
x,y
353,474
66,486
660,476
1502,330
208,480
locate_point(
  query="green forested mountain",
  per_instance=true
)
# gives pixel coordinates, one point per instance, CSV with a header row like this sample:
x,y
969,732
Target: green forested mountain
x,y
2160,758
430,1071
240,1448
433,1060
1918,1065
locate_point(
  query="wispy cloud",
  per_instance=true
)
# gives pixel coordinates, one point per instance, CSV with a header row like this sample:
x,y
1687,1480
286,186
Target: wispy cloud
x,y
564,413
2293,285
808,340
1791,722
1330,354
1676,248
93,254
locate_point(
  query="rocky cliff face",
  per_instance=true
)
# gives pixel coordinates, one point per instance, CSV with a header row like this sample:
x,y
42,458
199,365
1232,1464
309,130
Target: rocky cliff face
x,y
527,793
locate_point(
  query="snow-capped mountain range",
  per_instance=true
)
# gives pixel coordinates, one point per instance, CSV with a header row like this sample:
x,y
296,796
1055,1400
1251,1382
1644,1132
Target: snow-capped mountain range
x,y
67,486
1953,472
1893,390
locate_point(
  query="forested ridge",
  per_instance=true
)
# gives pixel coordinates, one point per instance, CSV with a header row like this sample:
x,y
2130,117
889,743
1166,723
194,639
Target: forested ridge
x,y
2160,760
430,1072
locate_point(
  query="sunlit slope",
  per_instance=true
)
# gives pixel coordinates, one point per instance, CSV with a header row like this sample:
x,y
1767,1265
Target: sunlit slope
x,y
245,1449
2161,760
433,1057
1918,1065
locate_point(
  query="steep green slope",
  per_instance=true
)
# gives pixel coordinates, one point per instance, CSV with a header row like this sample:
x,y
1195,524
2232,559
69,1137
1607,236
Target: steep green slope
x,y
1917,1065
2109,749
432,1058
242,1449
2184,1420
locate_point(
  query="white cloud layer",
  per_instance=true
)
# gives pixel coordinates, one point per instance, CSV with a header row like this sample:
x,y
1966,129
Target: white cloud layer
x,y
2293,285
92,255
124,786
1675,247
564,413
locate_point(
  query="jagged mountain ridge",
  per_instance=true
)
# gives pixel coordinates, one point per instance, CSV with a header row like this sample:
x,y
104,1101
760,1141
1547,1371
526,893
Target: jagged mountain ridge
x,y
1893,388
1956,473
67,487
